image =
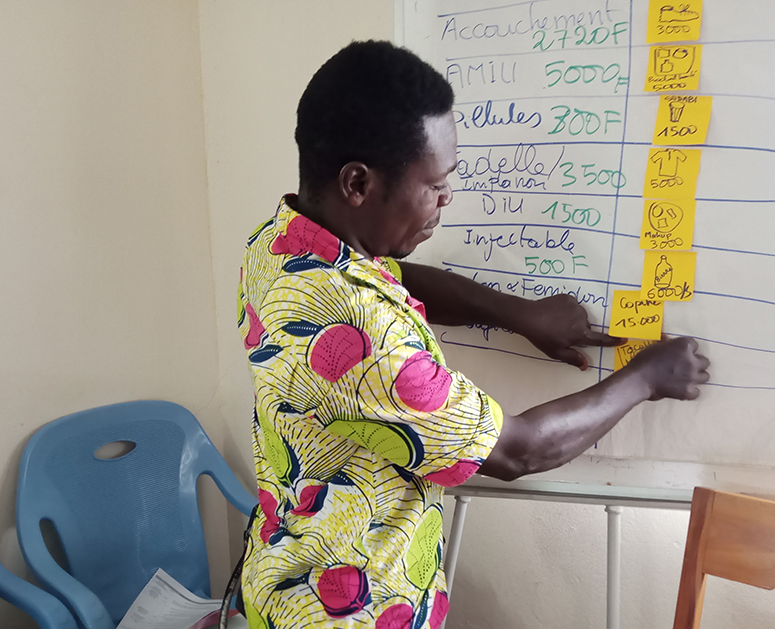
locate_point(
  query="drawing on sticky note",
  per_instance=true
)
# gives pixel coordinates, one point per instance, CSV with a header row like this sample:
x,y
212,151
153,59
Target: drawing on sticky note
x,y
668,22
676,111
669,13
668,225
674,68
635,317
672,173
682,119
663,274
670,60
668,160
665,217
668,276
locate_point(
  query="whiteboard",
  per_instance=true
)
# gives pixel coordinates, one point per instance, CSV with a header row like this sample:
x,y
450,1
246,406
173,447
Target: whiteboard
x,y
507,103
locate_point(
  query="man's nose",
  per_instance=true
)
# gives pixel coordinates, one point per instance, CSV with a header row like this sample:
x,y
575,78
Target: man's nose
x,y
445,198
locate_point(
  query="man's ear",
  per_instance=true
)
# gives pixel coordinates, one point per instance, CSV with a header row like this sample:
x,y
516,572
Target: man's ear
x,y
355,182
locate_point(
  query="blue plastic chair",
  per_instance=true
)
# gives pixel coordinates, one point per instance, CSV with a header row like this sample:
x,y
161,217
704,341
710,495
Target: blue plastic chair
x,y
119,519
44,608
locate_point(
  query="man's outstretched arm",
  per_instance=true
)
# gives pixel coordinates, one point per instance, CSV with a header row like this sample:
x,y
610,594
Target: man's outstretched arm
x,y
551,434
555,325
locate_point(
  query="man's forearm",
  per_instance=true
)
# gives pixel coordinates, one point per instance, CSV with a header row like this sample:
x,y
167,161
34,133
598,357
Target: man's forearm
x,y
551,434
451,299
548,435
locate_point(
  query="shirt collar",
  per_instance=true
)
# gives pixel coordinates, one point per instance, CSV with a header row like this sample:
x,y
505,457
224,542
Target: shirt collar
x,y
301,237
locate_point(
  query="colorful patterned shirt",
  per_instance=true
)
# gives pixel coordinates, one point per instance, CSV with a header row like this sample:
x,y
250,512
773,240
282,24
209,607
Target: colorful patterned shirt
x,y
358,427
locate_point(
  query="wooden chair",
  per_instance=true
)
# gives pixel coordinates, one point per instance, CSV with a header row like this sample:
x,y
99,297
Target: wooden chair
x,y
731,536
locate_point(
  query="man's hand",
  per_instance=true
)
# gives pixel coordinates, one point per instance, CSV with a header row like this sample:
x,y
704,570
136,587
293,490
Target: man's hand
x,y
558,324
672,368
555,325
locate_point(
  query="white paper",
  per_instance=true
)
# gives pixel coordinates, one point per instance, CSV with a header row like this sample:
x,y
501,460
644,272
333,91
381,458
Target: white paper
x,y
166,604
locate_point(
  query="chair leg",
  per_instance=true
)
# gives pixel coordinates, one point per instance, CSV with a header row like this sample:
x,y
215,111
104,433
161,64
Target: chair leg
x,y
691,590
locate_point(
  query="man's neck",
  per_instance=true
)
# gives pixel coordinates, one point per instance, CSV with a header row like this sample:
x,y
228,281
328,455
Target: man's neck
x,y
330,216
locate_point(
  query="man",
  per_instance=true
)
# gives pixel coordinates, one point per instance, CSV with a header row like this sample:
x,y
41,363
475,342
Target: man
x,y
358,424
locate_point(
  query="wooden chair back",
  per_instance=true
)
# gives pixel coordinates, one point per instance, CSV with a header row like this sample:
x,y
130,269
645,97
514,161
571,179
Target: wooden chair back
x,y
731,536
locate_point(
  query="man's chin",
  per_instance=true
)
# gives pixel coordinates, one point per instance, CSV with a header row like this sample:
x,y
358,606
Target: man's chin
x,y
400,255
423,236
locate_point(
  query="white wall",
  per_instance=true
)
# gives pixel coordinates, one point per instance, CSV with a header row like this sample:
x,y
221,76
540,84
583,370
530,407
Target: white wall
x,y
106,287
117,283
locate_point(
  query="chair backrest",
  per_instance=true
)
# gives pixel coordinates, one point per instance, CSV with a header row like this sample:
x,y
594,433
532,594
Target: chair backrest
x,y
118,519
45,609
731,536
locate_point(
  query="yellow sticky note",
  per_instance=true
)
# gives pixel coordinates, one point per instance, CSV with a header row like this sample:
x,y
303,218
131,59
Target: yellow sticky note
x,y
635,317
672,173
682,120
674,68
668,275
668,225
625,353
674,21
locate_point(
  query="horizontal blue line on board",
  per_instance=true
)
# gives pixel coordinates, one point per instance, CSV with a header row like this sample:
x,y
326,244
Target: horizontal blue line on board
x,y
593,281
750,349
503,6
618,143
607,196
619,47
590,368
623,95
604,232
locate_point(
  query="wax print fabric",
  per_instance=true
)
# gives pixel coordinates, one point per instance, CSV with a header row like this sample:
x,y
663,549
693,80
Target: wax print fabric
x,y
358,427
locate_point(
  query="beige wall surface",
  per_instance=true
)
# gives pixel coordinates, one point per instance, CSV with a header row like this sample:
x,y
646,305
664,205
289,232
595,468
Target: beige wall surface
x,y
106,289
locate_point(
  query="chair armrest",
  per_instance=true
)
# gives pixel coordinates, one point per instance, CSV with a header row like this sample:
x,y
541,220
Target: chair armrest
x,y
84,604
213,464
233,490
46,609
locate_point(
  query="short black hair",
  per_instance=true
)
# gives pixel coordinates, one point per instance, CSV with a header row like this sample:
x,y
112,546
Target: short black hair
x,y
367,103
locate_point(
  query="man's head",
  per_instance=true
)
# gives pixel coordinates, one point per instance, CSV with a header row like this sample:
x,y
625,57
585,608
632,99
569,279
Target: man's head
x,y
377,140
367,104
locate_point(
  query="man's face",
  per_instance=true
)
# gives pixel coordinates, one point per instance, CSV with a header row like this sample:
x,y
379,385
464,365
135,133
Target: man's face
x,y
413,208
